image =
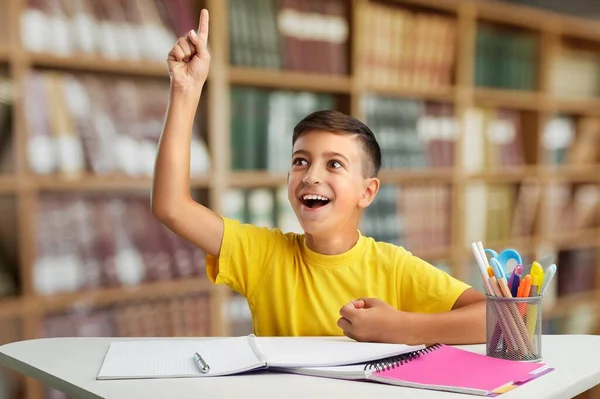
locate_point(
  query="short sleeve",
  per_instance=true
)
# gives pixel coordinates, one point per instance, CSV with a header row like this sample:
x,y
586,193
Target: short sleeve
x,y
426,289
245,253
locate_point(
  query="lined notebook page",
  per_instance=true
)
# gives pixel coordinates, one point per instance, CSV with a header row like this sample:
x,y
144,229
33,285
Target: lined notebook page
x,y
315,352
173,358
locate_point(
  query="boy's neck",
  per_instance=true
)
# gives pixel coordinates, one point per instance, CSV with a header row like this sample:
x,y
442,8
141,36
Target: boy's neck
x,y
334,244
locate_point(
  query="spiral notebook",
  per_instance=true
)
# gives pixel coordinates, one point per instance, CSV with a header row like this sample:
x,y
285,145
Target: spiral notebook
x,y
173,358
435,368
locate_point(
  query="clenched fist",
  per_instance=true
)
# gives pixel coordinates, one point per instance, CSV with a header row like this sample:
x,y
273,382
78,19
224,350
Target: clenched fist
x,y
373,320
189,60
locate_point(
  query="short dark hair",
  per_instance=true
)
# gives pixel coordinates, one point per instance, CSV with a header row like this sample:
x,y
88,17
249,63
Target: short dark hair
x,y
338,122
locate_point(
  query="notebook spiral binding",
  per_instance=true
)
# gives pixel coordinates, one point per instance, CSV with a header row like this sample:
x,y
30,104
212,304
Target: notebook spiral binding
x,y
395,361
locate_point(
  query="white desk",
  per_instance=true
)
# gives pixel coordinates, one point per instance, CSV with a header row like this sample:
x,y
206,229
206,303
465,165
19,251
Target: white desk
x,y
71,365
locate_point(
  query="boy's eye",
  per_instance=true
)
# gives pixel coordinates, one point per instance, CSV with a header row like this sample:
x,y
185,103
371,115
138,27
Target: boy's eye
x,y
335,164
299,161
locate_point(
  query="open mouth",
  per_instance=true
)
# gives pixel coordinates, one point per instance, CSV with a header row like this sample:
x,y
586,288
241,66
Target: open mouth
x,y
314,201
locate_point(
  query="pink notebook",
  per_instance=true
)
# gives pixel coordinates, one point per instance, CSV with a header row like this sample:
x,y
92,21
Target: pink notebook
x,y
441,367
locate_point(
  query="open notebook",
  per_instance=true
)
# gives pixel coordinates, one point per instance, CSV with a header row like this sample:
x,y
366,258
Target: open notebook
x,y
439,367
226,356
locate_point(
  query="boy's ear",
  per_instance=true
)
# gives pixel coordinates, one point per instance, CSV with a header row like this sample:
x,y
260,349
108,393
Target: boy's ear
x,y
371,189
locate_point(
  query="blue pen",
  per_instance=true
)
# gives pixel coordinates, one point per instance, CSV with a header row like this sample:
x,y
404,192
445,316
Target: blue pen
x,y
498,269
515,280
514,288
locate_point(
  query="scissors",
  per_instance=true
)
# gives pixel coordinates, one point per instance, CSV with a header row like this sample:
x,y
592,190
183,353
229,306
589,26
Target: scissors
x,y
506,258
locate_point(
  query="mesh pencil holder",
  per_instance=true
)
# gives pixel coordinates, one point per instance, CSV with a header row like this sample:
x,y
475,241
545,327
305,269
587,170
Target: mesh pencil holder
x,y
514,328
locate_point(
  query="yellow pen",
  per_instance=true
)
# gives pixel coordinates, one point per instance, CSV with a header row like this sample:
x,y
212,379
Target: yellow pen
x,y
537,279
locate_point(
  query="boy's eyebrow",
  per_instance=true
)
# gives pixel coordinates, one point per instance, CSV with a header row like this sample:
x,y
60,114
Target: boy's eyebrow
x,y
332,154
328,154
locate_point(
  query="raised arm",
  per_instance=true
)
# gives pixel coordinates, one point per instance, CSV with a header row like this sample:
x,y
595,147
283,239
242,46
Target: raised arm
x,y
172,203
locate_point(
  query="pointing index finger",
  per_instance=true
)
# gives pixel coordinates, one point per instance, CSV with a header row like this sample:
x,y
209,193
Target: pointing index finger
x,y
203,25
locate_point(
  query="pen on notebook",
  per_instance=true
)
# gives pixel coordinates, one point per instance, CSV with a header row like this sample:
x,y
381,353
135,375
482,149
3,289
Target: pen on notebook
x,y
202,365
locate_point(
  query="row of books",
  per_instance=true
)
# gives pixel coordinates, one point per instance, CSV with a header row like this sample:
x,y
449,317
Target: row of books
x,y
9,256
571,140
78,123
412,134
7,94
577,270
239,316
132,30
575,73
571,207
267,207
406,48
301,35
493,139
416,216
505,58
174,316
87,242
260,116
8,276
502,211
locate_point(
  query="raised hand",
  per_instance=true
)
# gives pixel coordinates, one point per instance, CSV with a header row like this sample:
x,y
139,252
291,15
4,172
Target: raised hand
x,y
189,60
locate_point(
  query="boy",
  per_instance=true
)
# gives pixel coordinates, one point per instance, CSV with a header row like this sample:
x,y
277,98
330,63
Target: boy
x,y
307,284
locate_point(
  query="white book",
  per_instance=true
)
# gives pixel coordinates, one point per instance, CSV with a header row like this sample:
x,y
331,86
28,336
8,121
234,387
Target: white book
x,y
145,359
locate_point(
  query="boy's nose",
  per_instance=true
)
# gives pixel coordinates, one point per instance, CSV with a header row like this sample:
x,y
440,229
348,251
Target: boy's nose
x,y
311,177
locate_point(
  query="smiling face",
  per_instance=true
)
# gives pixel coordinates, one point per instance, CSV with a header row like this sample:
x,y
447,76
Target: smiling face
x,y
326,185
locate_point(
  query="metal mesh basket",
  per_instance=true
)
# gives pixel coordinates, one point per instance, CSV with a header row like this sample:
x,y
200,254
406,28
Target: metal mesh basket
x,y
514,328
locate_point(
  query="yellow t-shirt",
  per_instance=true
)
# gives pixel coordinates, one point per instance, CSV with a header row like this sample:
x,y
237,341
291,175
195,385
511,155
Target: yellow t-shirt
x,y
294,291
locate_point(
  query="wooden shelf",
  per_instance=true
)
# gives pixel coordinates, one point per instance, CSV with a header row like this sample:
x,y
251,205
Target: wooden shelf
x,y
570,172
95,183
252,179
11,307
572,239
391,176
111,296
440,5
579,28
527,17
8,184
505,175
514,99
97,64
582,106
290,80
256,179
443,94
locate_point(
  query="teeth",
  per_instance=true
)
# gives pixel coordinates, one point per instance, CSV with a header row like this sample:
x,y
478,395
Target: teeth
x,y
314,197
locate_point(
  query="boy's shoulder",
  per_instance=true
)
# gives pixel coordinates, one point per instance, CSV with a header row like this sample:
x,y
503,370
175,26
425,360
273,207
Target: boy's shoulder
x,y
376,249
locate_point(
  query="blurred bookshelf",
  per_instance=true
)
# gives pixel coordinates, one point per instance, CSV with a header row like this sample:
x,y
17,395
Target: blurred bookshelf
x,y
488,114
